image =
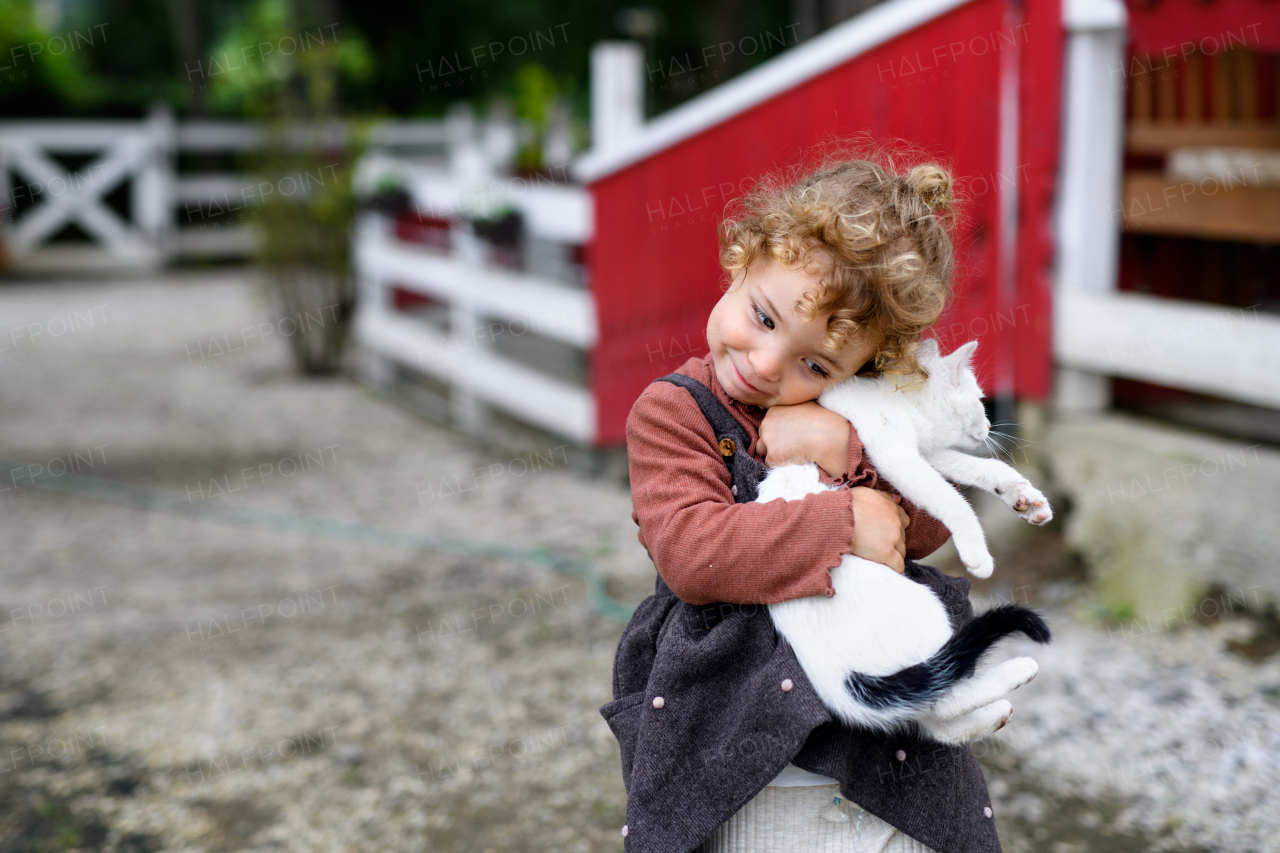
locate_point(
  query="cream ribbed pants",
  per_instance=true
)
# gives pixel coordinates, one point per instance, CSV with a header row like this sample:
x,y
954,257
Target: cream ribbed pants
x,y
787,819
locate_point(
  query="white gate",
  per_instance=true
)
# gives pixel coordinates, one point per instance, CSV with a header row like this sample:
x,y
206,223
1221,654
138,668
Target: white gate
x,y
144,153
125,150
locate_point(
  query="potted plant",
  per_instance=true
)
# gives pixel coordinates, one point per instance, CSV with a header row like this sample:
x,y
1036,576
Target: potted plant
x,y
307,204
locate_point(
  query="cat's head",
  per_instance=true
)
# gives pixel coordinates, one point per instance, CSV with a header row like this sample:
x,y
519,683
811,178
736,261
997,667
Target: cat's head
x,y
955,395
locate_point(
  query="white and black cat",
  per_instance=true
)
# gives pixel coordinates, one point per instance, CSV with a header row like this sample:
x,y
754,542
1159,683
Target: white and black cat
x,y
880,652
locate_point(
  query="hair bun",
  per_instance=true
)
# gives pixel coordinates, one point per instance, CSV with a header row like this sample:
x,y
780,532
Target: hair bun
x,y
932,185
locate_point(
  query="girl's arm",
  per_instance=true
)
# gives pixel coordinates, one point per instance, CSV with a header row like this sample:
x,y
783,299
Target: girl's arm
x,y
808,432
707,547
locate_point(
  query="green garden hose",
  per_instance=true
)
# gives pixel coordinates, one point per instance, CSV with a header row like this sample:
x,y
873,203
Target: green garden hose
x,y
157,500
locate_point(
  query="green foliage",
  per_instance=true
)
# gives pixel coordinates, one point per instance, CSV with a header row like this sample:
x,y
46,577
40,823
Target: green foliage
x,y
307,218
293,66
386,70
536,89
37,61
275,62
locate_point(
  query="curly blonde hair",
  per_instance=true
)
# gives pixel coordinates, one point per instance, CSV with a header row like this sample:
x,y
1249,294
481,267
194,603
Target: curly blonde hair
x,y
875,232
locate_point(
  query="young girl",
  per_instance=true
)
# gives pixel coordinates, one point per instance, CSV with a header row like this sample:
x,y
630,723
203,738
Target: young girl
x,y
725,746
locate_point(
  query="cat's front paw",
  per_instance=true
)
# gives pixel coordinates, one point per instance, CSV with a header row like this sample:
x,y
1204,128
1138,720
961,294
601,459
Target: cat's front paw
x,y
982,568
1027,501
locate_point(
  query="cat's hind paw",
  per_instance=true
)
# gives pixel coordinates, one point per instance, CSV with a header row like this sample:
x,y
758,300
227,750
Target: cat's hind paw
x,y
979,690
970,727
1027,501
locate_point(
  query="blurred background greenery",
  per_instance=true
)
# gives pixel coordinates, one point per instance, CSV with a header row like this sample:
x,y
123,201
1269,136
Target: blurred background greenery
x,y
297,64
388,54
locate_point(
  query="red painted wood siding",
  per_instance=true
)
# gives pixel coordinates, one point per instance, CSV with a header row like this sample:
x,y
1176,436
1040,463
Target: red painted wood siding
x,y
654,261
1172,27
1039,131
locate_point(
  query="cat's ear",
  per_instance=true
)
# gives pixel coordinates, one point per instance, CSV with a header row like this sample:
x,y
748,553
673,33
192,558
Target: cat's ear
x,y
928,348
959,360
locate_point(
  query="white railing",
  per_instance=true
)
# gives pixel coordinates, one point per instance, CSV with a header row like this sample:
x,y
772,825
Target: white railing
x,y
455,170
468,305
478,305
39,197
1098,331
1225,352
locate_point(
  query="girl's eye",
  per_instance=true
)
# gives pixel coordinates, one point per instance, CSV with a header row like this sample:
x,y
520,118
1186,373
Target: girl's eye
x,y
763,317
817,369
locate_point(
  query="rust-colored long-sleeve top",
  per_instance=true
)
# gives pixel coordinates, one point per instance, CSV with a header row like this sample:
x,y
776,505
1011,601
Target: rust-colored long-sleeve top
x,y
710,549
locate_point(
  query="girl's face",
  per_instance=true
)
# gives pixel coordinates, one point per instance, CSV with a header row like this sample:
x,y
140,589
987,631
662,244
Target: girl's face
x,y
765,353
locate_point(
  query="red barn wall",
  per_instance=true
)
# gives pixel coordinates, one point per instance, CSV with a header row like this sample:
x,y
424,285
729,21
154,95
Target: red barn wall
x,y
654,262
1173,28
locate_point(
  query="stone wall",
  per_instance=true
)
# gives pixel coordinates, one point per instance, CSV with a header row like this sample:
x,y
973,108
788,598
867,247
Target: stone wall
x,y
1161,515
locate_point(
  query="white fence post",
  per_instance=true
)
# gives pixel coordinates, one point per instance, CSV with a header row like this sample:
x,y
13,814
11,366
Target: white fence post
x,y
467,160
1088,230
617,93
154,184
501,137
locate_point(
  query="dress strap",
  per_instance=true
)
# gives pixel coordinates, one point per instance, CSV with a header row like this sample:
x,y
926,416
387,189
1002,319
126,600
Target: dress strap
x,y
732,441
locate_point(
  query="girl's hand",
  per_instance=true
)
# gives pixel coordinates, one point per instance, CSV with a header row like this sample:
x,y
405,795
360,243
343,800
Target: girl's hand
x,y
805,432
879,528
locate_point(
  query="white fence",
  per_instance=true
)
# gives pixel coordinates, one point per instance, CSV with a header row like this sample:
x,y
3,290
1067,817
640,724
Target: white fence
x,y
1099,332
39,196
454,172
469,298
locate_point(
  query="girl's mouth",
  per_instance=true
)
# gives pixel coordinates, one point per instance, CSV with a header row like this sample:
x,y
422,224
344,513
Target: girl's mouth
x,y
743,379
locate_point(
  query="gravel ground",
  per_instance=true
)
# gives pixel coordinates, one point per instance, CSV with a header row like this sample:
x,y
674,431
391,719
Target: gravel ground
x,y
205,674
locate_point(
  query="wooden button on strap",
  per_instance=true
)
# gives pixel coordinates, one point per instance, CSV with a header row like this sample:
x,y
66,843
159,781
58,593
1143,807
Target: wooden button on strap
x,y
727,447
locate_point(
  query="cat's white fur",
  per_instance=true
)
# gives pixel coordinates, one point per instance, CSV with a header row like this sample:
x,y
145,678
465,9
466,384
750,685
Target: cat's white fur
x,y
879,621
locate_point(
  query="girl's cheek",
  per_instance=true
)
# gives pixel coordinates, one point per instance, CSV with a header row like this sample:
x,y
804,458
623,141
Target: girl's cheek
x,y
739,335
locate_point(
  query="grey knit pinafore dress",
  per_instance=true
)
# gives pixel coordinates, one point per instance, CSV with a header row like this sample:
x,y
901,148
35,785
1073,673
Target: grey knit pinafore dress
x,y
796,817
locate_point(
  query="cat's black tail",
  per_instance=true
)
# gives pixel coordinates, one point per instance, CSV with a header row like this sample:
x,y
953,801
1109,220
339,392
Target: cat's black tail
x,y
925,683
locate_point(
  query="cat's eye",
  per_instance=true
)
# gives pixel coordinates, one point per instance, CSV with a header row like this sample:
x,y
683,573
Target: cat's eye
x,y
764,318
818,369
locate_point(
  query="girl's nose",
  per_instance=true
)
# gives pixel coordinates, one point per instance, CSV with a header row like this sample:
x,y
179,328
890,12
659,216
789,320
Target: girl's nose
x,y
765,363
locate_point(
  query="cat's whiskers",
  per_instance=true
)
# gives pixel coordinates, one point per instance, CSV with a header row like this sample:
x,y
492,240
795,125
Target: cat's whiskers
x,y
998,448
1021,446
1020,442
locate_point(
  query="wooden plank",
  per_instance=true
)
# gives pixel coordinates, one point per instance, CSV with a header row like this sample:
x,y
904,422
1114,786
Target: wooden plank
x,y
82,258
1221,72
201,135
546,308
504,384
1193,94
1152,138
1227,352
212,135
1246,85
222,188
1156,204
224,241
1142,96
72,136
408,133
1167,94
